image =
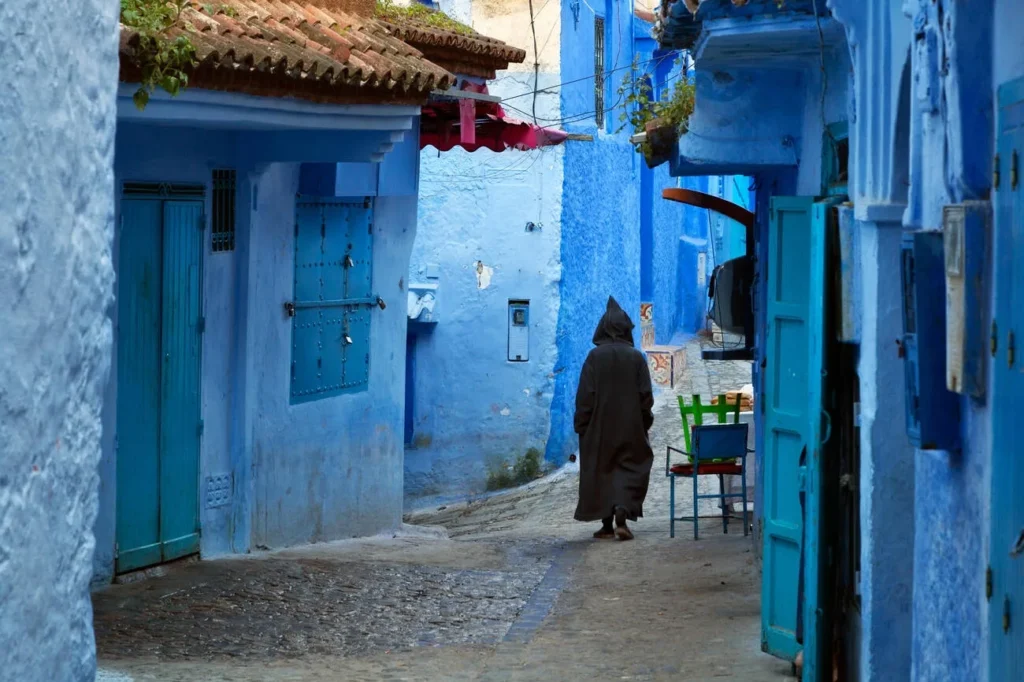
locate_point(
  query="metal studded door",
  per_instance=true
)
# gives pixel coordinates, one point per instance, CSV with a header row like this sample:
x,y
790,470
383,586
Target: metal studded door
x,y
333,298
158,406
1005,585
792,408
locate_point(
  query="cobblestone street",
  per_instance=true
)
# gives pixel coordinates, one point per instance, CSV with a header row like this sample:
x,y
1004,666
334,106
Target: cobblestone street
x,y
512,589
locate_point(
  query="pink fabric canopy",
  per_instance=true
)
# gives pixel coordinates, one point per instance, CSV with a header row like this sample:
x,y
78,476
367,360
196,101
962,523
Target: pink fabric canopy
x,y
447,124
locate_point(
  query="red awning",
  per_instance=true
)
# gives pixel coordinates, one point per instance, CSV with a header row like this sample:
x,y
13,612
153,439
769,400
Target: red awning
x,y
443,125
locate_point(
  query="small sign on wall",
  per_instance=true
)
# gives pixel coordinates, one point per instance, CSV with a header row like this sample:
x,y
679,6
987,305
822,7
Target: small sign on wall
x,y
702,267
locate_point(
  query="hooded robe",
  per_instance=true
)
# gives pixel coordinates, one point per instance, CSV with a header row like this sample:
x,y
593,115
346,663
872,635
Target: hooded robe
x,y
613,415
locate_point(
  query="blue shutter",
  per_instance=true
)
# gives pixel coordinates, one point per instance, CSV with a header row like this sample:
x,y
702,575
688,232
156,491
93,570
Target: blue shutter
x,y
1006,602
308,323
359,285
333,266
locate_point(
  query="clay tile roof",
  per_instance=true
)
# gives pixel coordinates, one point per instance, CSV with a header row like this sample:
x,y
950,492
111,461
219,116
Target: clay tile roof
x,y
466,52
284,48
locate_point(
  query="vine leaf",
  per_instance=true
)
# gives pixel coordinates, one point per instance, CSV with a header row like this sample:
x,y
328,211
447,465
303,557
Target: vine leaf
x,y
163,58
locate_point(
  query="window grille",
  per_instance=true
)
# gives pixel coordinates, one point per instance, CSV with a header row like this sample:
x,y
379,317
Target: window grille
x,y
223,218
599,75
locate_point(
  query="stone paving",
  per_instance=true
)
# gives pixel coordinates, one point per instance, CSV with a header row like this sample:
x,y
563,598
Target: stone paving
x,y
514,590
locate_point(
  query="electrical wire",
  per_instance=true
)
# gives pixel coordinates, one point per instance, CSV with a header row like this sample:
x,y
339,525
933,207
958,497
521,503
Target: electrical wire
x,y
584,78
536,60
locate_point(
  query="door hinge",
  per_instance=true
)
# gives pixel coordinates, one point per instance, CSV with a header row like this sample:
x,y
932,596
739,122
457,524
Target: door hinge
x,y
995,172
994,339
117,551
1013,170
1010,349
1006,613
988,583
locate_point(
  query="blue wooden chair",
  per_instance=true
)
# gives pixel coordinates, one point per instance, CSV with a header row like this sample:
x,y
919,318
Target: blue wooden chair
x,y
718,450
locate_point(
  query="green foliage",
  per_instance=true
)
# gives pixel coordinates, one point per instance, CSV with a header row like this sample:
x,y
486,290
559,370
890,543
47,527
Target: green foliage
x,y
163,58
419,14
674,107
527,467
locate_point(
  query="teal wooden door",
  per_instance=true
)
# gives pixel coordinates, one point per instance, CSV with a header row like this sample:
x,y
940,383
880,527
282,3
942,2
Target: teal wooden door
x,y
792,405
158,407
180,425
1006,549
139,302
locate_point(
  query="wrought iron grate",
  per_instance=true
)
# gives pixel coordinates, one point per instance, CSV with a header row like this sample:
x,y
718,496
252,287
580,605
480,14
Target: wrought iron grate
x,y
223,218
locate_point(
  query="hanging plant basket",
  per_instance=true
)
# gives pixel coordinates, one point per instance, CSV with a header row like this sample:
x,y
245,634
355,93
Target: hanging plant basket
x,y
661,142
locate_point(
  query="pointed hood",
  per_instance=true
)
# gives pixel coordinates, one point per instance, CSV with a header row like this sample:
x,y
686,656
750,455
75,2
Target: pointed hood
x,y
615,325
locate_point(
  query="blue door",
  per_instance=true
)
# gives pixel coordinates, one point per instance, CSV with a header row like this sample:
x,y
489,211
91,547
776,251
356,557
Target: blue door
x,y
158,409
792,405
1006,597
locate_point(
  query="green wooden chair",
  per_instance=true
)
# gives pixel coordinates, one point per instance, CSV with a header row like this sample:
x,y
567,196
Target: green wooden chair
x,y
693,415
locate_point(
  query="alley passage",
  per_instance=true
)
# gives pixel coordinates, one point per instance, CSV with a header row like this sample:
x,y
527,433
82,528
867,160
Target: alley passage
x,y
516,591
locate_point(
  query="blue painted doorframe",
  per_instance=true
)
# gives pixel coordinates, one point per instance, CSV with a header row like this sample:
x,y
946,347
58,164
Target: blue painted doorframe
x,y
792,405
1006,599
159,357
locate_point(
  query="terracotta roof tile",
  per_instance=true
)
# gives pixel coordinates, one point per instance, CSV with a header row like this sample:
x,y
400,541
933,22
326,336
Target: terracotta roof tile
x,y
286,48
467,53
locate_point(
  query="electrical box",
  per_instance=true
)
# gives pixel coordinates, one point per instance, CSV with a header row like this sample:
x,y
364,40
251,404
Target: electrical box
x,y
966,228
932,411
518,331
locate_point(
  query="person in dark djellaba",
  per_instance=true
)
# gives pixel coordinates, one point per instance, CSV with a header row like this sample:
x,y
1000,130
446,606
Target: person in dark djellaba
x,y
613,416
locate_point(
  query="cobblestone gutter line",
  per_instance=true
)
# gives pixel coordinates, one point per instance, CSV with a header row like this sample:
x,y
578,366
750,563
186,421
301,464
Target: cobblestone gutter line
x,y
544,595
506,658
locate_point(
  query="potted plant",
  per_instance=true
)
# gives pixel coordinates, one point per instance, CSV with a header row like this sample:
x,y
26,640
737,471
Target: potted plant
x,y
656,123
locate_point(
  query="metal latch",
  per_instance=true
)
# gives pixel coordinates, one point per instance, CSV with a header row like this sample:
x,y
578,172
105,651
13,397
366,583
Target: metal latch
x,y
291,306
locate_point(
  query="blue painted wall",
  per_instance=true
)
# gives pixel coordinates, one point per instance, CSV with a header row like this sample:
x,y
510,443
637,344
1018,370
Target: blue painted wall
x,y
317,471
57,122
600,207
955,143
472,407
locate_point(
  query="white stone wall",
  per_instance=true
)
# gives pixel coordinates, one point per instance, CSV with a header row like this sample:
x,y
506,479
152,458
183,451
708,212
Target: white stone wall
x,y
56,217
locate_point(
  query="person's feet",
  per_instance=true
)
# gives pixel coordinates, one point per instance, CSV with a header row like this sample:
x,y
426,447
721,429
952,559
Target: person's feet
x,y
621,531
606,532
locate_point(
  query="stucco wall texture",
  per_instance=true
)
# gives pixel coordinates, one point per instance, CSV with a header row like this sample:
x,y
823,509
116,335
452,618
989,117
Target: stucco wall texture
x,y
56,213
599,259
472,408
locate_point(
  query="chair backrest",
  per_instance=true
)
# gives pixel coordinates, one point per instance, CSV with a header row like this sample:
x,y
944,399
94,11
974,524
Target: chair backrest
x,y
693,415
720,441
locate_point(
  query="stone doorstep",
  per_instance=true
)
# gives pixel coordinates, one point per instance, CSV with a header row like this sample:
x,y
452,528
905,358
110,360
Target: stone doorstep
x,y
667,364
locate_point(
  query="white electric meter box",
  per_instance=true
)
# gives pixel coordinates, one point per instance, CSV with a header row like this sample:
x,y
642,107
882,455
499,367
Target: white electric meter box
x,y
518,331
966,228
